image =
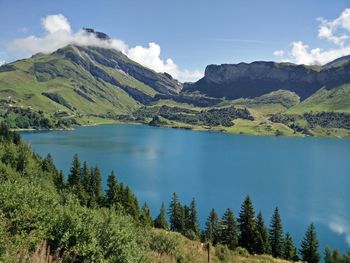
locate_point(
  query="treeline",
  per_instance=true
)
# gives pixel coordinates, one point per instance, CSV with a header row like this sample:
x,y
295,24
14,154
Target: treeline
x,y
212,117
247,231
328,119
27,118
322,119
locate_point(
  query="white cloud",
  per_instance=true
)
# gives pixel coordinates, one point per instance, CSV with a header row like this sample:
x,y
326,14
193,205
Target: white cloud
x,y
55,23
2,62
338,226
58,33
278,53
150,57
336,31
331,29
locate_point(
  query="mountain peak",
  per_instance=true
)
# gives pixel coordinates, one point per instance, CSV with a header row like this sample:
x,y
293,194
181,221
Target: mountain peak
x,y
99,35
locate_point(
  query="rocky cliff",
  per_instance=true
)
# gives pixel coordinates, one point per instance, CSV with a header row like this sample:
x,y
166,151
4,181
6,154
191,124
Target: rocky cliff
x,y
255,79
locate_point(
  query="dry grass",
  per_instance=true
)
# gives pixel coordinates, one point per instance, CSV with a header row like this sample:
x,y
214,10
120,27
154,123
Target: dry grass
x,y
42,255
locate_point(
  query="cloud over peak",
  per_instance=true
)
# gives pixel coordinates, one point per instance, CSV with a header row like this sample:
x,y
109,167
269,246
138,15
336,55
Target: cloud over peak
x,y
336,32
58,33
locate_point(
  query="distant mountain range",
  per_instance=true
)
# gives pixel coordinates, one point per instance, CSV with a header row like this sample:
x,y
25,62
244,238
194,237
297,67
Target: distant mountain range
x,y
243,80
84,82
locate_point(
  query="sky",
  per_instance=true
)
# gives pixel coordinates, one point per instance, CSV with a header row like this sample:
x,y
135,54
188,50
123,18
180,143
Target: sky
x,y
182,37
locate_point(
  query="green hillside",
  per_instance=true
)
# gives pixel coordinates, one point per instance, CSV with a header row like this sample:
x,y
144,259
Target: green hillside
x,y
80,82
325,100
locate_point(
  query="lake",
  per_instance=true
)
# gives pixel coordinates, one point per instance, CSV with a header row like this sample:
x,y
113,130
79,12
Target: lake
x,y
307,178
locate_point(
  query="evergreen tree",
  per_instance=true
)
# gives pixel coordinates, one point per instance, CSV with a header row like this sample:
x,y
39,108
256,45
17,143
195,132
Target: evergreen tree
x,y
263,243
276,235
161,220
130,203
309,246
328,255
145,217
112,190
289,250
85,176
247,226
96,183
176,214
74,175
193,220
212,227
337,257
229,230
59,182
334,256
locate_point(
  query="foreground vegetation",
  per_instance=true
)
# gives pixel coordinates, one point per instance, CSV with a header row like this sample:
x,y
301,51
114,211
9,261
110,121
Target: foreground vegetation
x,y
46,218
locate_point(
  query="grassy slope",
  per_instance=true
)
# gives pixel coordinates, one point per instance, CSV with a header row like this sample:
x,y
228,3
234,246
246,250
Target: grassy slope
x,y
261,108
195,252
337,100
23,86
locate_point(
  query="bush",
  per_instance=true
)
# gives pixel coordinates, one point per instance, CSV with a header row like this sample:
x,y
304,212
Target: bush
x,y
222,252
242,252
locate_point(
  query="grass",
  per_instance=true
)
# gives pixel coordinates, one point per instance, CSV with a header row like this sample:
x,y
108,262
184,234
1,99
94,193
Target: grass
x,y
337,100
196,252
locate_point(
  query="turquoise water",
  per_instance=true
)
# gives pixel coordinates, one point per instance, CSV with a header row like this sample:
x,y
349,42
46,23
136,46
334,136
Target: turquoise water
x,y
308,178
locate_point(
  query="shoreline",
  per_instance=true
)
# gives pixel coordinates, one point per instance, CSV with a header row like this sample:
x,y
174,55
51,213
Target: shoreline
x,y
190,128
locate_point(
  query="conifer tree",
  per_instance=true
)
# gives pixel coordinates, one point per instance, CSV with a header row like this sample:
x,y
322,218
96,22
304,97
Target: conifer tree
x,y
60,182
276,235
145,217
247,226
289,250
112,190
74,175
263,243
161,220
96,182
85,176
309,246
176,214
229,230
193,220
212,227
328,255
337,258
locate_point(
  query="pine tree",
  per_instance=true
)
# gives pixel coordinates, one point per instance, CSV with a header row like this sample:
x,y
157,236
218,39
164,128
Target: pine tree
x,y
263,243
130,203
96,183
328,255
193,220
176,214
276,235
161,220
247,226
336,257
112,190
145,217
212,227
229,230
74,175
59,182
85,176
309,246
289,250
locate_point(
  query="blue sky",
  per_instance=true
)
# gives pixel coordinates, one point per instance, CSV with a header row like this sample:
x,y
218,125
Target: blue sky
x,y
192,33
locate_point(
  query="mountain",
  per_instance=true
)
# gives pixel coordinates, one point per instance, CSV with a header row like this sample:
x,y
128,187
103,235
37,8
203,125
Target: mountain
x,y
244,80
93,85
83,80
